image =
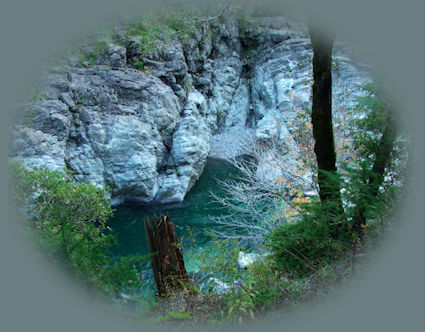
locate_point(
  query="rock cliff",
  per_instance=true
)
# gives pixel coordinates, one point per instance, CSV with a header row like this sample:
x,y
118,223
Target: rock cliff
x,y
144,122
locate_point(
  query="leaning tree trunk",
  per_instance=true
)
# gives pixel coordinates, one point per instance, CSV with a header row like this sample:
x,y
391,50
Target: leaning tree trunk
x,y
167,260
321,117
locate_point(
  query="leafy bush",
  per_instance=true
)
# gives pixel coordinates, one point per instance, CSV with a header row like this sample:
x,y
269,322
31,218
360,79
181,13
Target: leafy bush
x,y
253,289
264,283
301,247
139,65
220,259
68,221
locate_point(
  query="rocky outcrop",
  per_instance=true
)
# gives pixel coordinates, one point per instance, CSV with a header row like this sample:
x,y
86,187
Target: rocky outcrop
x,y
188,153
146,132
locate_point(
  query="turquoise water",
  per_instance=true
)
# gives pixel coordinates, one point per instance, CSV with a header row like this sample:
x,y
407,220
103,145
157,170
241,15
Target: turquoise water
x,y
194,212
192,219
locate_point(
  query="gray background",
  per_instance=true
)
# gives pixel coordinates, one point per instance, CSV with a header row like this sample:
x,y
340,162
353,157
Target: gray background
x,y
388,297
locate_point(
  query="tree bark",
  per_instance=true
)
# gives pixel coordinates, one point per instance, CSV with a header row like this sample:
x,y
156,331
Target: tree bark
x,y
321,116
167,260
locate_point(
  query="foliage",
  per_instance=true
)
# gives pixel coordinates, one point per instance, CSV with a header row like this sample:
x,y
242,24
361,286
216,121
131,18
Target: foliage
x,y
360,197
139,65
312,242
367,131
259,289
251,290
263,284
220,259
367,128
148,32
305,234
38,96
174,315
166,24
68,220
301,247
153,29
249,33
92,49
180,314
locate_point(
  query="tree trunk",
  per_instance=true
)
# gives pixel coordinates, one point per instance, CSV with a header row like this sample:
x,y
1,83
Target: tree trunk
x,y
321,117
167,260
383,155
382,159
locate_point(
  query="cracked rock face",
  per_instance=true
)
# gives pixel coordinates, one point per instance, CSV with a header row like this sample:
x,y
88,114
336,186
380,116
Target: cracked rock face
x,y
147,134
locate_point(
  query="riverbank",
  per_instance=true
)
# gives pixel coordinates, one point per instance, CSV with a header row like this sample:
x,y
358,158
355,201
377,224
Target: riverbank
x,y
191,312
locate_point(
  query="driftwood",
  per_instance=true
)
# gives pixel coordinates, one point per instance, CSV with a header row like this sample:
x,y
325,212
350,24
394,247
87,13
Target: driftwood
x,y
167,260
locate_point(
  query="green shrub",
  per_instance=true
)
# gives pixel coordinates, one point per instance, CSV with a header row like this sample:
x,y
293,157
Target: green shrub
x,y
139,65
301,247
220,259
68,221
264,283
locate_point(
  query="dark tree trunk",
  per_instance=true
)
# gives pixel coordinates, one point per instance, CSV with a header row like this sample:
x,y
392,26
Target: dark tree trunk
x,y
382,160
383,155
167,260
321,116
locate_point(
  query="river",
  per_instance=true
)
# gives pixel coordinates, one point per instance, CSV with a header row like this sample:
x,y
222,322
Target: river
x,y
192,220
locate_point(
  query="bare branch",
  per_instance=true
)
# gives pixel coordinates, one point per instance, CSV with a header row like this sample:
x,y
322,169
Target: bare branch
x,y
213,18
261,198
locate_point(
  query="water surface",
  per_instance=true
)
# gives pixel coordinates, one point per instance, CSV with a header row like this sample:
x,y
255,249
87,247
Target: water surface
x,y
192,217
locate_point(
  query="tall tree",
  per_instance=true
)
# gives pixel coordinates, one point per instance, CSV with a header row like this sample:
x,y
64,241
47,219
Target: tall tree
x,y
382,160
321,116
383,155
